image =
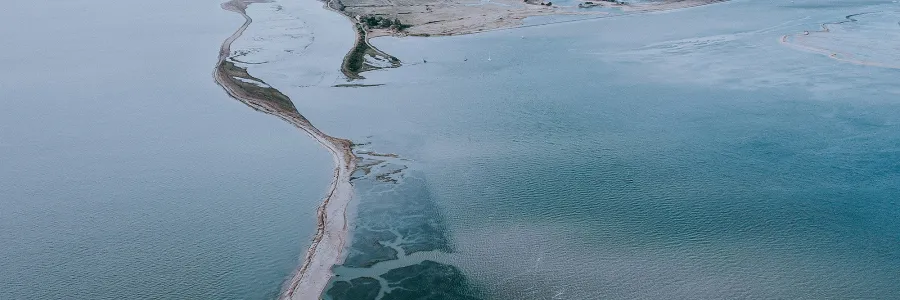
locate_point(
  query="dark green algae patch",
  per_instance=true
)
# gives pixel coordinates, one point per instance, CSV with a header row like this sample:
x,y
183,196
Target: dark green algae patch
x,y
427,280
396,217
357,288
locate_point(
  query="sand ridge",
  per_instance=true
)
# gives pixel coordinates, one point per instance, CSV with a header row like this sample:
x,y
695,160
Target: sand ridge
x,y
331,234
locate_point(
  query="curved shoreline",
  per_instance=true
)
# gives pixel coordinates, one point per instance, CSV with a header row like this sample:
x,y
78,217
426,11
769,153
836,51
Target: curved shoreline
x,y
310,279
360,48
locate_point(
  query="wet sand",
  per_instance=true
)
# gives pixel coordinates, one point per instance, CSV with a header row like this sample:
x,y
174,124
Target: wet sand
x,y
331,234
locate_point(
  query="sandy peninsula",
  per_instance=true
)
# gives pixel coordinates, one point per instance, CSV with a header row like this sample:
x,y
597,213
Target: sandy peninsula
x,y
453,17
331,233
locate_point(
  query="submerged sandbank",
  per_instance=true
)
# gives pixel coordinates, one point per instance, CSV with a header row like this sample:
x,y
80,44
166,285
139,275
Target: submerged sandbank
x,y
848,41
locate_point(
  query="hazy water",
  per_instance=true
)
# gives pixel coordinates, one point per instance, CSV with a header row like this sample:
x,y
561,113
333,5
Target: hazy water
x,y
125,172
672,155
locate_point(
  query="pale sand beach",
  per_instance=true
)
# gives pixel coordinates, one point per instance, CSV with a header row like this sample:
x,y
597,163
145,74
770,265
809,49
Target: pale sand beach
x,y
331,233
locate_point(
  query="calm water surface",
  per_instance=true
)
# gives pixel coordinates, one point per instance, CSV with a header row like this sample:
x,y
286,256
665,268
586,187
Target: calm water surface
x,y
672,155
127,173
682,155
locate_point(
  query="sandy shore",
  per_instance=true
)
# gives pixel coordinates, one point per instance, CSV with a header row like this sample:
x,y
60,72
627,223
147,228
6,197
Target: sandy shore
x,y
315,271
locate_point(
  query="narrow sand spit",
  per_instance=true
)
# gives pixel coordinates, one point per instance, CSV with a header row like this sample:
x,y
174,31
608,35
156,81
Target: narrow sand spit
x,y
311,278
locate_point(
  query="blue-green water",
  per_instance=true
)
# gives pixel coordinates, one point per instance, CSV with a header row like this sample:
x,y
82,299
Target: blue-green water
x,y
675,155
686,154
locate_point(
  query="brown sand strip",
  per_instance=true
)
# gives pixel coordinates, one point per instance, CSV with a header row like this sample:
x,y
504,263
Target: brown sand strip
x,y
331,234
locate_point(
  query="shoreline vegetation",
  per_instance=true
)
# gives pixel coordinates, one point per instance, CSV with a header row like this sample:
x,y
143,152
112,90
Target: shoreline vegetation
x,y
355,61
310,279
